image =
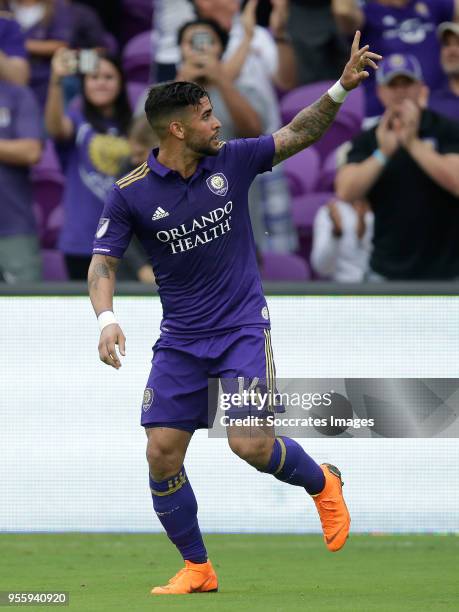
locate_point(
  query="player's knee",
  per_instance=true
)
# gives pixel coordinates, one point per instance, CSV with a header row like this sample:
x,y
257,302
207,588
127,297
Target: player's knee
x,y
163,461
256,452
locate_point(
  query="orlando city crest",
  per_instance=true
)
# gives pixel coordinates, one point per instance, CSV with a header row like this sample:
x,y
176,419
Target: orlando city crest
x,y
218,184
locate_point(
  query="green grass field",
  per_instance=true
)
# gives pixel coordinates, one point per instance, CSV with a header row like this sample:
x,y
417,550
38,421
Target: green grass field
x,y
256,572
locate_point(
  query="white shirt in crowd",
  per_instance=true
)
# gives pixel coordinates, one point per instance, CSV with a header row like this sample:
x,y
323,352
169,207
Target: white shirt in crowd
x,y
169,16
258,70
344,258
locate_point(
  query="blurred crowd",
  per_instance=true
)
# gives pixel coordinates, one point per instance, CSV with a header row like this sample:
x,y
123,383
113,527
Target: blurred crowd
x,y
376,199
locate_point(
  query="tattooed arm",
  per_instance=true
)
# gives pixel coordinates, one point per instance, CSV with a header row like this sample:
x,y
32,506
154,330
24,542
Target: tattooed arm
x,y
101,284
309,125
305,128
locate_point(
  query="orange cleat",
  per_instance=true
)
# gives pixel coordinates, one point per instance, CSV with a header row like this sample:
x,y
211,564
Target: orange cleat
x,y
333,513
193,578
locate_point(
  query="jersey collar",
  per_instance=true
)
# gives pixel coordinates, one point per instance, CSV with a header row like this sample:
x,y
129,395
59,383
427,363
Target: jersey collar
x,y
206,163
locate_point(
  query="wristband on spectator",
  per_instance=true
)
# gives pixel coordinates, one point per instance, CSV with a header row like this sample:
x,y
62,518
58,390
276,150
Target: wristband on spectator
x,y
379,155
106,318
338,93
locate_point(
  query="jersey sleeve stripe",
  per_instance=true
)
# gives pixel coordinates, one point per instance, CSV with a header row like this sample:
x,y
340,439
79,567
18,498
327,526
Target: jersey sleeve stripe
x,y
131,174
135,178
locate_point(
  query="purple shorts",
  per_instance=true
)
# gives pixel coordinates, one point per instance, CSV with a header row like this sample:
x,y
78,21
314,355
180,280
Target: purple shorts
x,y
178,393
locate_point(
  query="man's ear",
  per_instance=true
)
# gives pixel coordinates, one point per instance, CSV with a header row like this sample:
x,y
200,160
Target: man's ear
x,y
177,129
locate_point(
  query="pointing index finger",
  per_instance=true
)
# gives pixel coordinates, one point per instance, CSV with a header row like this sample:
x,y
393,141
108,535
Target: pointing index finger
x,y
356,42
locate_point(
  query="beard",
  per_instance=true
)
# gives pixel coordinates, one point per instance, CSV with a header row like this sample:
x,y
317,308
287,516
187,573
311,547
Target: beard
x,y
205,147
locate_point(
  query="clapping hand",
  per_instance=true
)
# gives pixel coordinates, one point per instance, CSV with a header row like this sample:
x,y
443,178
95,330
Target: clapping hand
x,y
407,123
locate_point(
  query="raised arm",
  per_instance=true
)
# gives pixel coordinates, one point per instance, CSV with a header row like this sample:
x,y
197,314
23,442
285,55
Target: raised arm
x,y
348,15
101,284
57,124
309,125
233,64
14,69
20,151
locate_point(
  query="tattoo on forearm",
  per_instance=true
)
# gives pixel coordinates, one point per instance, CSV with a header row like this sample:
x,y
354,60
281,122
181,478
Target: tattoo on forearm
x,y
306,128
101,270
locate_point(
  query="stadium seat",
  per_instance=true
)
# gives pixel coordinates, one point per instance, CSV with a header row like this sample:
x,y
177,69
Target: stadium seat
x,y
135,91
48,160
300,97
137,57
111,44
347,123
47,189
137,17
284,267
54,268
52,228
39,220
327,174
304,210
302,171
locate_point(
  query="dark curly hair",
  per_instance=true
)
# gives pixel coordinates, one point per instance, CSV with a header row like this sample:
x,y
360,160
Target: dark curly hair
x,y
167,99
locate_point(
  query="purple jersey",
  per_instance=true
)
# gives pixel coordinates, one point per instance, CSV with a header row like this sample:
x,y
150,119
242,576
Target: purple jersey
x,y
198,237
408,30
11,38
19,119
92,162
445,102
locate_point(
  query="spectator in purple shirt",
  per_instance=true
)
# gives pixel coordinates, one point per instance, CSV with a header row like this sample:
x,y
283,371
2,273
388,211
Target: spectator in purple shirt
x,y
46,25
92,144
407,27
446,100
20,148
13,57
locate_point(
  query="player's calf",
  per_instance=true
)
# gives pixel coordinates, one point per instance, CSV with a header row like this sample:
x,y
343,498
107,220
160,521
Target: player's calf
x,y
254,450
166,449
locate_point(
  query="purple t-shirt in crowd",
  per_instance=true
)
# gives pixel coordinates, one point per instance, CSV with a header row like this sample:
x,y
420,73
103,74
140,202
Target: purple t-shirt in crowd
x,y
91,164
19,118
409,30
197,235
11,37
445,102
59,27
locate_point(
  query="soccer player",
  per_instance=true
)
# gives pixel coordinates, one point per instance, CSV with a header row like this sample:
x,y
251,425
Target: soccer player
x,y
188,206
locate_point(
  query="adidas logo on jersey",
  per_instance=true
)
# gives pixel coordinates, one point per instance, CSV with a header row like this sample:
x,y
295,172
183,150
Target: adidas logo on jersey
x,y
159,213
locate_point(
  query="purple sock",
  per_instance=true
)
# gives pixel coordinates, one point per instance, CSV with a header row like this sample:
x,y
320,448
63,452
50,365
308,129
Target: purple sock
x,y
292,465
176,507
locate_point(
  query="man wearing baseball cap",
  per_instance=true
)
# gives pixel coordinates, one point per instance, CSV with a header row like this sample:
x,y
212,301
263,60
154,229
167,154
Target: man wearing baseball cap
x,y
398,26
408,168
446,100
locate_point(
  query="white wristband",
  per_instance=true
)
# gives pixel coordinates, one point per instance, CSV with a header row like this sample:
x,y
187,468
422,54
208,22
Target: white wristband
x,y
337,93
106,318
